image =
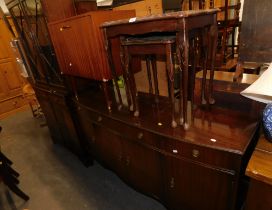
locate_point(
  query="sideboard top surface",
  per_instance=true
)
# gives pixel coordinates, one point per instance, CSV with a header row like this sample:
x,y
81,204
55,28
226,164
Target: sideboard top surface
x,y
217,128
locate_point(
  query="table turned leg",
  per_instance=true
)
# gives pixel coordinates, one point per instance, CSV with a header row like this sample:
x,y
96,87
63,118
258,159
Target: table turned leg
x,y
185,59
213,34
112,67
106,94
126,79
204,47
147,61
170,72
133,87
155,76
193,73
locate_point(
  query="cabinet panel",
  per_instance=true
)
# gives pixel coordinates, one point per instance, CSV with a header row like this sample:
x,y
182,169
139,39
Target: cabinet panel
x,y
191,186
144,168
10,75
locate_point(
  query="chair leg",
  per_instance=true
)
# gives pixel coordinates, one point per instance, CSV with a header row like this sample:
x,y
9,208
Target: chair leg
x,y
170,71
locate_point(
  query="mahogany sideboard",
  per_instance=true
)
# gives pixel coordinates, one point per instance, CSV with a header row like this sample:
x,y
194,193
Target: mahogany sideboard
x,y
196,169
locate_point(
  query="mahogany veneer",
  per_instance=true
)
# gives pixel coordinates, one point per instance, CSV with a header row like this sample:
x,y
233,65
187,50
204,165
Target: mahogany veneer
x,y
79,44
198,168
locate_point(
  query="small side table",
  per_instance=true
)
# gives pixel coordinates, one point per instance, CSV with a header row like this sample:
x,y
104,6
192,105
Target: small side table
x,y
259,170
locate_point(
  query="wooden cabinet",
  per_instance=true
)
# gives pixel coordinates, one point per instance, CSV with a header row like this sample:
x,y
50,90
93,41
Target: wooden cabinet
x,y
11,83
195,169
80,47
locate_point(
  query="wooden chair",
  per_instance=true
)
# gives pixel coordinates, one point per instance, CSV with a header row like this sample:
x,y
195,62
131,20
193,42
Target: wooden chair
x,y
9,176
228,22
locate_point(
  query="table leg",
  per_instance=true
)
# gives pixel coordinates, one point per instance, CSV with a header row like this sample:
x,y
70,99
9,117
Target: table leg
x,y
106,93
126,79
213,36
204,47
134,93
184,48
114,75
155,76
147,61
170,72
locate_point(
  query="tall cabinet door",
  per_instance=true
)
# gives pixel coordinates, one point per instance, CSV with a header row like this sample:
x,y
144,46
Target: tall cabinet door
x,y
191,186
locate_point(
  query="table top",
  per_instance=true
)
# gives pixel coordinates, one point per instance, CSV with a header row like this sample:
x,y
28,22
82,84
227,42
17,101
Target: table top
x,y
170,15
217,128
260,164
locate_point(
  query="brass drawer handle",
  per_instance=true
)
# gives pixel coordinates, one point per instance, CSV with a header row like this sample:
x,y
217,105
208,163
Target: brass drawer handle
x,y
140,135
195,153
99,119
64,28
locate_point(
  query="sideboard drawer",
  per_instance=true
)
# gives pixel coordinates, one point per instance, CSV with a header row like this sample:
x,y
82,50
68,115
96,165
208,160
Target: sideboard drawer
x,y
201,154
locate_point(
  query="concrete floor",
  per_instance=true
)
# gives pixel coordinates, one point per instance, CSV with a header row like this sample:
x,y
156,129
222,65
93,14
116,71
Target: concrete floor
x,y
55,179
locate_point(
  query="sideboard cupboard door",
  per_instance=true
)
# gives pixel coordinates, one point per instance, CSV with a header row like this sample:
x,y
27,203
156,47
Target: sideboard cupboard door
x,y
109,149
144,168
52,122
191,186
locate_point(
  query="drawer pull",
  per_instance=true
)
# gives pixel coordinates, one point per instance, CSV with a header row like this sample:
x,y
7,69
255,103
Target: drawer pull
x,y
175,151
99,119
172,182
64,28
195,153
140,135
